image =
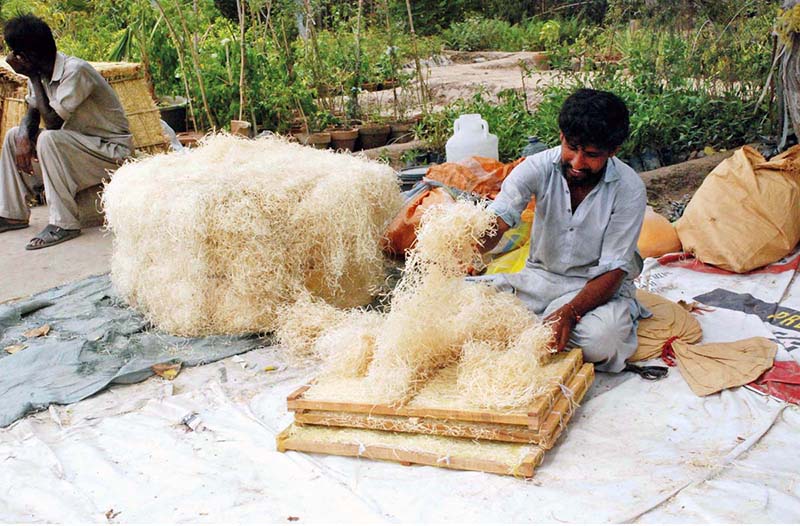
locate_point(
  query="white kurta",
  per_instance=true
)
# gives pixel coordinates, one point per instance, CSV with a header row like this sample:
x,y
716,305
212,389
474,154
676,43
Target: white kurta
x,y
569,248
94,139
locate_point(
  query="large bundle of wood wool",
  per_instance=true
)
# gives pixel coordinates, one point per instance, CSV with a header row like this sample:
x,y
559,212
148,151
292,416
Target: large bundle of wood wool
x,y
436,318
220,239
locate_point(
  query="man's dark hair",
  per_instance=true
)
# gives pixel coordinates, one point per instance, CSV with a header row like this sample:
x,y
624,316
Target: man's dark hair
x,y
594,118
30,35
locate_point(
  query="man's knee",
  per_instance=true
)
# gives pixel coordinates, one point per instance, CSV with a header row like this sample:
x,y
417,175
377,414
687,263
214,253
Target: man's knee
x,y
47,139
11,139
606,337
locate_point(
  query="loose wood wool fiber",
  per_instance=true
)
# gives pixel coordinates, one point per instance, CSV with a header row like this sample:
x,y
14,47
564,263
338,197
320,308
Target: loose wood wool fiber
x,y
436,319
221,238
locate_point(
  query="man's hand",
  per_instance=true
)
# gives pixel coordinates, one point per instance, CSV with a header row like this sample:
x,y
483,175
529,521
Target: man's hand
x,y
562,321
488,243
21,64
26,153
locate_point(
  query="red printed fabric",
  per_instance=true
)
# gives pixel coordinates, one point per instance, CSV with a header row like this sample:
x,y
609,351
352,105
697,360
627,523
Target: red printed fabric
x,y
782,381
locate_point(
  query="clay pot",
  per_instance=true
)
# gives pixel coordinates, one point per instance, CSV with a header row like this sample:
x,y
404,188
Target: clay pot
x,y
297,126
344,139
373,135
541,61
319,140
401,132
369,86
387,84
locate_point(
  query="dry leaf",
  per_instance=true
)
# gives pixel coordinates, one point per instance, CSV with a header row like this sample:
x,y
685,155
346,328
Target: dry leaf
x,y
695,307
14,348
40,331
168,371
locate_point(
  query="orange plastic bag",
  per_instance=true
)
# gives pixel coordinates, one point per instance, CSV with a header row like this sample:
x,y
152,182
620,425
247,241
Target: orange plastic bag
x,y
658,236
401,233
478,175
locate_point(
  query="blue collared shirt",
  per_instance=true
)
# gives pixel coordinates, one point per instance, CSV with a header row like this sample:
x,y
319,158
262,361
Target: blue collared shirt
x,y
569,248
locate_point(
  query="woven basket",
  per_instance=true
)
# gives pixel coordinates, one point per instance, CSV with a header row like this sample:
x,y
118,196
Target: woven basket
x,y
128,81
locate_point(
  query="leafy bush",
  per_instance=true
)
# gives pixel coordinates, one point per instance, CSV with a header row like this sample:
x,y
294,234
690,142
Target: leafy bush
x,y
684,12
477,33
434,16
673,121
684,93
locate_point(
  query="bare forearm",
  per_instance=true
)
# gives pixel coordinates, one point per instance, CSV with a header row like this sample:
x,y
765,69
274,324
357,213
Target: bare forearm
x,y
52,120
30,124
597,291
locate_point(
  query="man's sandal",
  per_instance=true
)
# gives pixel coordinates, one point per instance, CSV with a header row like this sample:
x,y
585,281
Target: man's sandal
x,y
648,372
52,235
6,225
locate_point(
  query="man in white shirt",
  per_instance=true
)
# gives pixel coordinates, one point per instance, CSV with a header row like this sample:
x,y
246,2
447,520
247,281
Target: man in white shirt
x,y
589,211
85,135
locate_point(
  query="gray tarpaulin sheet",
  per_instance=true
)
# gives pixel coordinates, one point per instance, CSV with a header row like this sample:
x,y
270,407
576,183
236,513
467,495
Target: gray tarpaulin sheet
x,y
95,340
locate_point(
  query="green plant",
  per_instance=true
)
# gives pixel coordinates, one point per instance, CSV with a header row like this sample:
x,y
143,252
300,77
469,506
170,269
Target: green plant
x,y
550,34
673,120
477,33
681,93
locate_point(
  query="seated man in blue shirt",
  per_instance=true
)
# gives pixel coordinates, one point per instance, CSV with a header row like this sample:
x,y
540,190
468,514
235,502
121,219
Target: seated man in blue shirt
x,y
589,211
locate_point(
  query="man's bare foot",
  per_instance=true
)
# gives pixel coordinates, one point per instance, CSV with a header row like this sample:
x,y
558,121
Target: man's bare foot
x,y
12,224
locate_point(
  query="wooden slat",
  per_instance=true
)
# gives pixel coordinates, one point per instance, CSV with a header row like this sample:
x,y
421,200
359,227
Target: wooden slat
x,y
531,418
546,436
564,408
292,439
297,393
542,406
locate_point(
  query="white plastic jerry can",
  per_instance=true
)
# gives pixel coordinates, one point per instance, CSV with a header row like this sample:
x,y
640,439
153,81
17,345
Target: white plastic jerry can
x,y
471,137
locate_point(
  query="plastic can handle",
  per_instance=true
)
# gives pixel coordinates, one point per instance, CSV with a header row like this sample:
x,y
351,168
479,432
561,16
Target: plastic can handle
x,y
485,128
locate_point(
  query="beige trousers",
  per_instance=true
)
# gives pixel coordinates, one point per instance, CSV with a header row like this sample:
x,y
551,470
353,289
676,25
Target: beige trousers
x,y
68,163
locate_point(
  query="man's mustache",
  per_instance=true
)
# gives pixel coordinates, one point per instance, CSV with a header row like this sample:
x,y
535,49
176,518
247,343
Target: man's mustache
x,y
584,171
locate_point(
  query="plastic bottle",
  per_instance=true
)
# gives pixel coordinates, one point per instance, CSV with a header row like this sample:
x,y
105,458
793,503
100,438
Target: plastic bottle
x,y
471,137
534,146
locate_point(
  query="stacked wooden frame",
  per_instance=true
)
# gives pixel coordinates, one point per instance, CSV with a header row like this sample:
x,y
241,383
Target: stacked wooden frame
x,y
511,442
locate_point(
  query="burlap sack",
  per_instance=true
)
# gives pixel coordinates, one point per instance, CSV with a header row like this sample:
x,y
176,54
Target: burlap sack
x,y
712,367
670,321
745,214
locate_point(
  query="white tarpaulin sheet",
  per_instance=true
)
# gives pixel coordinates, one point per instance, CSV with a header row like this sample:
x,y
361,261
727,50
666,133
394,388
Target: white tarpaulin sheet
x,y
635,450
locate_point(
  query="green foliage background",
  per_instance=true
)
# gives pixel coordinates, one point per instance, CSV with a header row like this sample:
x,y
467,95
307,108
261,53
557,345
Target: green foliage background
x,y
692,72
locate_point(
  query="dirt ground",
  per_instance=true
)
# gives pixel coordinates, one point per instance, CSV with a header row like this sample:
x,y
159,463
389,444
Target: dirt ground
x,y
26,272
456,75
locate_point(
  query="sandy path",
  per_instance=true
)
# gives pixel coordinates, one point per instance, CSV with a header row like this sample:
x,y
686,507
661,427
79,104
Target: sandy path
x,y
459,75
